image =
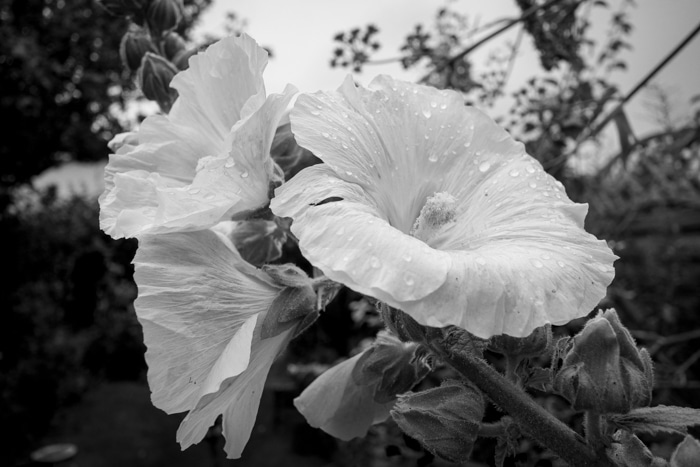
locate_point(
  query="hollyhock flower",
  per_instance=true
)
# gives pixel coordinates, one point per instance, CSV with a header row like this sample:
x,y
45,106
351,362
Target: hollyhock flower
x,y
350,397
431,207
205,161
202,308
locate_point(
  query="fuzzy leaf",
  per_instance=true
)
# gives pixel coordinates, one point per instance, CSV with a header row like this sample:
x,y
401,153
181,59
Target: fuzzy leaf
x,y
662,418
687,453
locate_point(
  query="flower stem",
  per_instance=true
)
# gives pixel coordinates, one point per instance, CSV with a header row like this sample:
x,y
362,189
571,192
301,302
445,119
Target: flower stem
x,y
594,436
532,418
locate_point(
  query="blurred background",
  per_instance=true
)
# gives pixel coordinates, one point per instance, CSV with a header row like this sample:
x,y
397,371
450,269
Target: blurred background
x,y
604,93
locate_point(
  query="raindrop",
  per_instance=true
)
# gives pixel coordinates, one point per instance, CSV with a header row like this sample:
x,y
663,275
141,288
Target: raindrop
x,y
538,264
325,135
244,174
530,169
315,112
433,104
345,146
433,157
546,257
408,279
229,163
426,137
514,173
348,173
407,257
374,262
443,106
427,113
484,167
546,194
193,191
560,264
480,261
533,185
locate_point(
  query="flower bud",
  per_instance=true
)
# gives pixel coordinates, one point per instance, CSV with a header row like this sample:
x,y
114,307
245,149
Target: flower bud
x,y
154,79
182,59
173,44
164,15
134,46
445,420
533,345
603,371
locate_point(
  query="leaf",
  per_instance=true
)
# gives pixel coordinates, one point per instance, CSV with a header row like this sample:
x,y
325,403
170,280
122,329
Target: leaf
x,y
662,418
687,453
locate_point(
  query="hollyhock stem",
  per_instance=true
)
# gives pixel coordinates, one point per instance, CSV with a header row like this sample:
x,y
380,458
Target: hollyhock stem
x,y
532,418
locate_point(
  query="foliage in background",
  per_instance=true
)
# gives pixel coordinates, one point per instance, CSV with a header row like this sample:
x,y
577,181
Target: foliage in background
x,y
62,83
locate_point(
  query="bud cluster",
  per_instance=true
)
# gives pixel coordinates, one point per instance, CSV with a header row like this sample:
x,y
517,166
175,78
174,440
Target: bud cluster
x,y
151,47
602,370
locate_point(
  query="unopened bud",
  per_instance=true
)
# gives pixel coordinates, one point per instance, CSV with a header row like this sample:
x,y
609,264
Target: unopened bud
x,y
533,345
182,59
154,79
134,46
343,401
173,44
164,15
603,371
393,367
445,420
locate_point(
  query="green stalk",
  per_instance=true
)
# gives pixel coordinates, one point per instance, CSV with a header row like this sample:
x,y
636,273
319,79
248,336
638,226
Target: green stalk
x,y
533,419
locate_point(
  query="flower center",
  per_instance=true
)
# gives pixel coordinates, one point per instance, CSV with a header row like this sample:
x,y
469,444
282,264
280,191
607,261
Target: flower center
x,y
439,210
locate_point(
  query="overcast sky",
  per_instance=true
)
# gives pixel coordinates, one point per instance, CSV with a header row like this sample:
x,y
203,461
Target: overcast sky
x,y
300,34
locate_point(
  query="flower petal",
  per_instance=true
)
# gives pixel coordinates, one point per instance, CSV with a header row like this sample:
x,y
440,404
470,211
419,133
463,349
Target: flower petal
x,y
351,242
198,304
220,119
513,243
336,404
238,400
221,86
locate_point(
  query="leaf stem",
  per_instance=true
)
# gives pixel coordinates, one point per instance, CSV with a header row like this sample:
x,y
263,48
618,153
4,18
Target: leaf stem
x,y
532,418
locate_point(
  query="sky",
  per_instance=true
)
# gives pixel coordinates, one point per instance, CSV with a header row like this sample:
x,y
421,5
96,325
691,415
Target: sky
x,y
300,33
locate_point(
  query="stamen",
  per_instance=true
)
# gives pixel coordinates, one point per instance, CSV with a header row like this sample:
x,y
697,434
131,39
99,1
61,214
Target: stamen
x,y
439,210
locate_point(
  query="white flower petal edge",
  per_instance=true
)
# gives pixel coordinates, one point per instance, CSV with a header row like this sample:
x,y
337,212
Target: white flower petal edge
x,y
510,253
238,399
336,404
201,307
221,121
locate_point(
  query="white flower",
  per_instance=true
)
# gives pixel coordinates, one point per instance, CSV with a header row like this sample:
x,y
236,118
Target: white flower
x,y
202,308
205,161
431,207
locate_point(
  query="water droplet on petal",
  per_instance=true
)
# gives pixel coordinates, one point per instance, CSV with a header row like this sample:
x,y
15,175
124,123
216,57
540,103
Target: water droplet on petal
x,y
433,104
427,113
229,163
538,264
533,185
408,279
433,157
315,112
345,146
374,262
530,169
193,191
244,174
443,106
546,257
484,167
513,173
325,135
209,196
480,260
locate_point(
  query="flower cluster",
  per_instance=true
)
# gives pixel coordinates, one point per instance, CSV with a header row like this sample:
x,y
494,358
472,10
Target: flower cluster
x,y
420,202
